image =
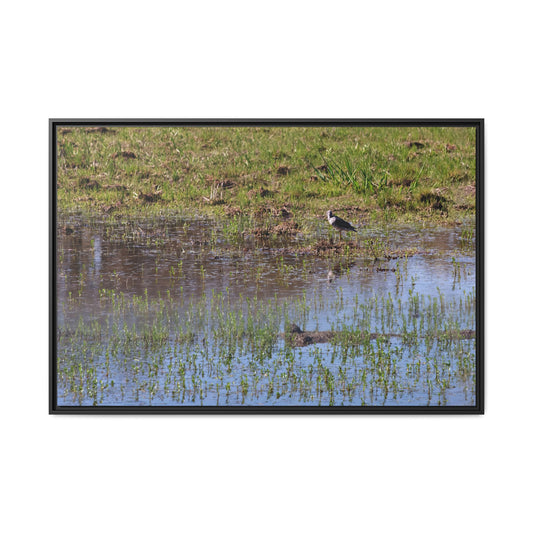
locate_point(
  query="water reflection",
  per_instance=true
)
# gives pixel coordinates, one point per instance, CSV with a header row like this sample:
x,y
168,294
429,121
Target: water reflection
x,y
191,261
182,258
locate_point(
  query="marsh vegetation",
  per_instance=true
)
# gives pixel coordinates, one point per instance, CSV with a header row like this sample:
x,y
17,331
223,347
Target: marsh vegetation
x,y
179,316
196,267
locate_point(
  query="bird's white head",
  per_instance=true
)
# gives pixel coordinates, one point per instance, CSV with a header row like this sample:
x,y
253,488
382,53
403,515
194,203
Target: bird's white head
x,y
329,214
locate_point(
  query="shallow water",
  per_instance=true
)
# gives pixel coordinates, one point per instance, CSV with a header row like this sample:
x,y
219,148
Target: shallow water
x,y
144,311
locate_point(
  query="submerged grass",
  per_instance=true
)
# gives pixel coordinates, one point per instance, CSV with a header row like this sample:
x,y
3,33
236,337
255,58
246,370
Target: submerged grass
x,y
221,350
189,196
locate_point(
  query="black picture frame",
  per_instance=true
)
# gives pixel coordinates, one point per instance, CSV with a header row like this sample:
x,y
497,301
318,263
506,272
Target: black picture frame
x,y
478,408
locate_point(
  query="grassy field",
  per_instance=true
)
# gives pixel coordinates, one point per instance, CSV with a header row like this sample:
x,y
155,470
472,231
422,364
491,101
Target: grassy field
x,y
286,173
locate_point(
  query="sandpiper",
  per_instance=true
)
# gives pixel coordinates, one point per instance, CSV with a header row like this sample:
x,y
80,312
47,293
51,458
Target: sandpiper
x,y
339,224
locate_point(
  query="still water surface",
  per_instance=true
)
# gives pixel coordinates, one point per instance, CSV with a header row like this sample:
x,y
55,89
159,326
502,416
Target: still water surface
x,y
180,280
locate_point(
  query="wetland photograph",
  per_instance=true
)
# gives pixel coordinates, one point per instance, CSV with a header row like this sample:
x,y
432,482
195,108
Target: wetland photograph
x,y
300,266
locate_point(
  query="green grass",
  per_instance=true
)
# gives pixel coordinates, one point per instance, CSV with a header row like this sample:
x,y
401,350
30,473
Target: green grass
x,y
274,183
363,173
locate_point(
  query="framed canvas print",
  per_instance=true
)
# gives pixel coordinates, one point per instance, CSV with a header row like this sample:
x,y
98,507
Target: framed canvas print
x,y
266,266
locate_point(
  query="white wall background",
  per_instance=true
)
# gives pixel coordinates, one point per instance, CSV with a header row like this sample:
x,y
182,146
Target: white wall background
x,y
269,59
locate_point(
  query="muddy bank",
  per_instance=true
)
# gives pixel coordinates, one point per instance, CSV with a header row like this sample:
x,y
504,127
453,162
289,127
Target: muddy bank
x,y
296,337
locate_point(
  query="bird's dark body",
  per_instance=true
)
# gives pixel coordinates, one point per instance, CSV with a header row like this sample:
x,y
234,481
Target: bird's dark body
x,y
338,223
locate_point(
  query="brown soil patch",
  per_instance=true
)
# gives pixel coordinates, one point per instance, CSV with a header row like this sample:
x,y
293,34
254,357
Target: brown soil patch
x,y
327,247
150,197
87,183
285,228
111,208
433,201
470,190
115,187
124,155
296,337
282,211
288,227
232,211
99,129
404,181
261,192
262,211
416,144
260,232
